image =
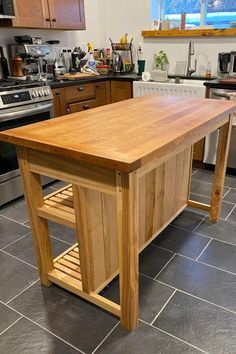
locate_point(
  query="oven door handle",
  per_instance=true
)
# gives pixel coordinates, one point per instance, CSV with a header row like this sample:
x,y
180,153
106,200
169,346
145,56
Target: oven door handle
x,y
24,113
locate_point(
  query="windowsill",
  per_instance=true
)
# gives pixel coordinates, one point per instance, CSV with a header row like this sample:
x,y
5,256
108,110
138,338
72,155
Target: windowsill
x,y
200,32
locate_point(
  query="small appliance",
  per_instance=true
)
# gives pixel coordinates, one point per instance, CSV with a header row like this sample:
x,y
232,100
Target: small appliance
x,y
223,65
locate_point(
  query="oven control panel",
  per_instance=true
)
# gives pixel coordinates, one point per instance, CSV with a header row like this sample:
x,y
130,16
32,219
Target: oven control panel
x,y
22,96
16,97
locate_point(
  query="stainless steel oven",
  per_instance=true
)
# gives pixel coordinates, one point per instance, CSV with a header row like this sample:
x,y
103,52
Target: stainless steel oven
x,y
18,108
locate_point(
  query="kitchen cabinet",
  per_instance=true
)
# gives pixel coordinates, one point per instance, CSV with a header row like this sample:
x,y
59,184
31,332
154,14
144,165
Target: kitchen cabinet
x,y
59,103
55,14
121,90
103,93
76,98
198,150
31,14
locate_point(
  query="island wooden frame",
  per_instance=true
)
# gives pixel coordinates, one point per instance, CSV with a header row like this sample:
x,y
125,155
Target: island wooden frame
x,y
127,210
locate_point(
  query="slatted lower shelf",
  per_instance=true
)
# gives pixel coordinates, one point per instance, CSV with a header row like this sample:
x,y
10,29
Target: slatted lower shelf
x,y
69,263
67,274
59,207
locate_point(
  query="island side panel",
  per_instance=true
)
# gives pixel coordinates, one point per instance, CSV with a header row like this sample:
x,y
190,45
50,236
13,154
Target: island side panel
x,y
163,193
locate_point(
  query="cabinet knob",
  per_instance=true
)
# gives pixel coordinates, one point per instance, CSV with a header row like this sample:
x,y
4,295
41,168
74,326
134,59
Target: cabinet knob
x,y
97,85
47,19
81,88
57,93
85,106
54,20
68,110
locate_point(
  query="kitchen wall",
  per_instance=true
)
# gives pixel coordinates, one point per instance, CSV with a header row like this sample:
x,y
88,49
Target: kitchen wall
x,y
133,16
111,18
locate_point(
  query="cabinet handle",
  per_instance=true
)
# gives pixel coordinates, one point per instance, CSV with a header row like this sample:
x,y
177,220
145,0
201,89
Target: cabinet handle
x,y
81,88
57,93
85,106
68,110
54,20
97,85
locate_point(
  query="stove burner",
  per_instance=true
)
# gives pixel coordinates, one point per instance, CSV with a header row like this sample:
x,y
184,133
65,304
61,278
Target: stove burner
x,y
10,85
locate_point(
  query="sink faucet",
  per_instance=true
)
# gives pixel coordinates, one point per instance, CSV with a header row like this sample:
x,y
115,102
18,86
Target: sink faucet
x,y
191,70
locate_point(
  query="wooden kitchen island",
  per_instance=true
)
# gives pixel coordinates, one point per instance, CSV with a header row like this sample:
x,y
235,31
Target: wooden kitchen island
x,y
128,168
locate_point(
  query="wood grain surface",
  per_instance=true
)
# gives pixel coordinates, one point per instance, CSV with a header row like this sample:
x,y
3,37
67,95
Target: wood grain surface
x,y
128,134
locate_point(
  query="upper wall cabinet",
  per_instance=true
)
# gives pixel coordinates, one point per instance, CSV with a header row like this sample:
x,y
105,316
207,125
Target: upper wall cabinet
x,y
56,14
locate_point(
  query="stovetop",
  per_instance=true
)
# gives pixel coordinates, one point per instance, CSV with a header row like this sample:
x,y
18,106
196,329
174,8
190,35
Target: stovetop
x,y
12,85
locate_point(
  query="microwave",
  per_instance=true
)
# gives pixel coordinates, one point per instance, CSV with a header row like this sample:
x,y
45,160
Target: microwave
x,y
232,65
7,9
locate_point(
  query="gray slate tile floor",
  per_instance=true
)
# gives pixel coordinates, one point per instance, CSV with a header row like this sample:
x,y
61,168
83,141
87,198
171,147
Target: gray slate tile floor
x,y
187,288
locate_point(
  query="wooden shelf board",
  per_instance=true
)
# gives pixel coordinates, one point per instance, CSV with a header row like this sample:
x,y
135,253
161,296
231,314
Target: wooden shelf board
x,y
190,33
59,207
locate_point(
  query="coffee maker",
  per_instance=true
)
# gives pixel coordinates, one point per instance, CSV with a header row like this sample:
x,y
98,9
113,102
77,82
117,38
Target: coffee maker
x,y
32,57
223,67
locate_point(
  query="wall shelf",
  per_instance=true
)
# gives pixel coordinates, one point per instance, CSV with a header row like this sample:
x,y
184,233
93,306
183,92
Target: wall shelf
x,y
190,33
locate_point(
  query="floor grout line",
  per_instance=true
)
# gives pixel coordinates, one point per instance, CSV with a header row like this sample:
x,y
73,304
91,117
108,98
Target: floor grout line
x,y
166,303
5,330
203,250
197,297
217,239
28,287
9,254
18,222
58,239
173,336
45,329
199,223
224,195
230,213
193,173
12,243
165,266
105,338
176,253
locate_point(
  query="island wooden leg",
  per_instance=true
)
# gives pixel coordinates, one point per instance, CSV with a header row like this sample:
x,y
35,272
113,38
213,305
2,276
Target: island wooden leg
x,y
127,215
220,169
39,226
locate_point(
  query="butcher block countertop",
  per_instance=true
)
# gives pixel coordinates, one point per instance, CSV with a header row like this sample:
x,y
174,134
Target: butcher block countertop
x,y
128,134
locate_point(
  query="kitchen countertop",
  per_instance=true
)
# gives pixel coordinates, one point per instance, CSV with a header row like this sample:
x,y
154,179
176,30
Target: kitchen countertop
x,y
217,84
124,77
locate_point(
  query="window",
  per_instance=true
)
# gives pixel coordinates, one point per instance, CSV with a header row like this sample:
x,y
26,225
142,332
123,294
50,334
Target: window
x,y
218,13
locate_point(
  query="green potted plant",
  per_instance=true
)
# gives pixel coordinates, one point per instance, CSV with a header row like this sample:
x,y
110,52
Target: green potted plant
x,y
161,64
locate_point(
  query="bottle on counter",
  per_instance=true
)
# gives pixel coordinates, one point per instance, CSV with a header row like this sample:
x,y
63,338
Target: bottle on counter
x,y
208,70
3,64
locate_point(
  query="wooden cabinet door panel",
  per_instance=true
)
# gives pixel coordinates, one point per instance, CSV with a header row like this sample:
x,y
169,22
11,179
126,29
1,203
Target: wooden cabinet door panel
x,y
102,90
121,90
59,105
198,150
67,14
31,14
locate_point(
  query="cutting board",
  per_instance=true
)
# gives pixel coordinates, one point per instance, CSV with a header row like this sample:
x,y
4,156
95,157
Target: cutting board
x,y
230,80
76,76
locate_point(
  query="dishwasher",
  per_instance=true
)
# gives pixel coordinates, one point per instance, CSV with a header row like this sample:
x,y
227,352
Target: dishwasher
x,y
211,140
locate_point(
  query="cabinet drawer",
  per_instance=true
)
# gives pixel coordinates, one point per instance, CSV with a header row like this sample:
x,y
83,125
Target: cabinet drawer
x,y
81,106
80,92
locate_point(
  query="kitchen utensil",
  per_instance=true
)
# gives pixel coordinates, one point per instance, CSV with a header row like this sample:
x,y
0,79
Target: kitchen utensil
x,y
17,66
